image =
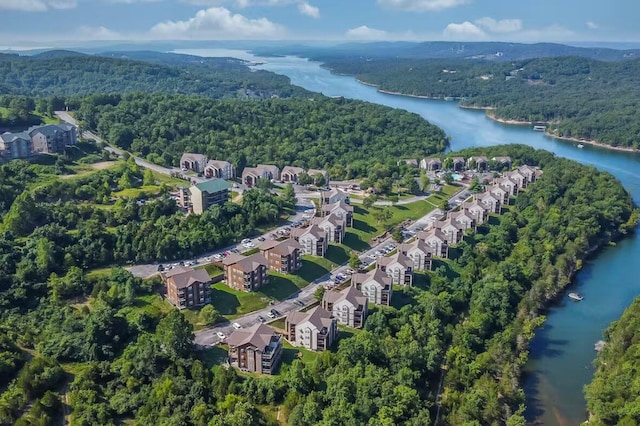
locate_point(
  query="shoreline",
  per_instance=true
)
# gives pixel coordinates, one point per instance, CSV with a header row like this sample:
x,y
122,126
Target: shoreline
x,y
503,120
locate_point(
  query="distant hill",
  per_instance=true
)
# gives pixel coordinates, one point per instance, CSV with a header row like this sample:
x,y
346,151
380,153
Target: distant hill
x,y
57,54
68,73
500,51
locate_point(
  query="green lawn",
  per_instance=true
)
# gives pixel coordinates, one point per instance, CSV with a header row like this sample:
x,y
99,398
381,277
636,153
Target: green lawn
x,y
291,353
169,181
365,226
232,303
142,192
211,269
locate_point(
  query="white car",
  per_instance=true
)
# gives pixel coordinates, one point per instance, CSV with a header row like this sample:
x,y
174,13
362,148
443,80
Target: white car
x,y
245,241
221,335
236,326
270,315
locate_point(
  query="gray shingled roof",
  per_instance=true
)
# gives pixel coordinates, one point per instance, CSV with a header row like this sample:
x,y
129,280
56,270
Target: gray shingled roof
x,y
317,316
375,274
259,336
402,259
351,294
187,277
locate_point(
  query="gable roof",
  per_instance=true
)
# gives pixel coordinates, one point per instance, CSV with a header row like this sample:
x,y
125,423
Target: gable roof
x,y
258,335
314,230
328,208
184,276
313,172
432,233
190,156
462,213
415,244
502,159
478,158
213,185
398,257
283,248
350,294
332,218
374,275
218,164
251,263
318,317
292,169
49,130
10,137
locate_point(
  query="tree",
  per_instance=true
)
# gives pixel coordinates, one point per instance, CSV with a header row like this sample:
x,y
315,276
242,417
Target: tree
x,y
175,335
447,178
208,315
369,201
475,186
393,199
397,235
148,178
319,293
424,181
319,180
304,179
354,260
288,196
382,216
264,184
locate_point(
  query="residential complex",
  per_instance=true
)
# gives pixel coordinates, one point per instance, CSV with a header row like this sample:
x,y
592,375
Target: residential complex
x,y
315,329
333,225
350,307
187,287
198,198
314,240
257,349
398,267
246,273
375,285
48,139
340,209
282,256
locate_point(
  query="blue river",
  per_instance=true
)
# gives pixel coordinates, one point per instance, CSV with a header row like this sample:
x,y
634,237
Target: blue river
x,y
561,354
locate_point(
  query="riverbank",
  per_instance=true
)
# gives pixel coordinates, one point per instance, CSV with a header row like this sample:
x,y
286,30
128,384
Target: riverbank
x,y
495,118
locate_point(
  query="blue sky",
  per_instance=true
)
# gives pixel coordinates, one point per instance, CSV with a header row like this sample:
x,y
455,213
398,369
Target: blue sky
x,y
468,20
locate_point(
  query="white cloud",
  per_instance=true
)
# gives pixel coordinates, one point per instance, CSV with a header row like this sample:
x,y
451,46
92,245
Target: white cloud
x,y
422,5
97,33
303,6
592,25
134,1
37,5
365,33
502,26
217,23
466,31
306,9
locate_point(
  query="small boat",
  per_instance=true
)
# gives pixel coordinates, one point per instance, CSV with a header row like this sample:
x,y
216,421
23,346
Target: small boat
x,y
575,296
580,145
539,128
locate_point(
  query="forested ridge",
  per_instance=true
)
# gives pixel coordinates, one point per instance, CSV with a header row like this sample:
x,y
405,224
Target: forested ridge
x,y
344,136
475,314
77,75
579,97
613,394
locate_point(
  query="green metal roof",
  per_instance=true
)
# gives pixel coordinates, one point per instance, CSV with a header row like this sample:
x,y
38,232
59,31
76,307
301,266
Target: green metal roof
x,y
213,185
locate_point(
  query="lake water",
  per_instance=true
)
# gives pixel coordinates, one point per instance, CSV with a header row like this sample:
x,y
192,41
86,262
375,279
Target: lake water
x,y
560,361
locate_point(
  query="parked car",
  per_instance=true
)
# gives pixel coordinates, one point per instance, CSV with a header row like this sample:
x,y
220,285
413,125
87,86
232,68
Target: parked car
x,y
271,315
299,302
160,268
261,318
236,326
275,312
261,238
221,335
245,241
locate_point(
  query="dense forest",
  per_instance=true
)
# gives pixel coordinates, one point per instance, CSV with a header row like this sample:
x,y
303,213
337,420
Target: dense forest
x,y
68,74
578,97
116,362
613,395
344,136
